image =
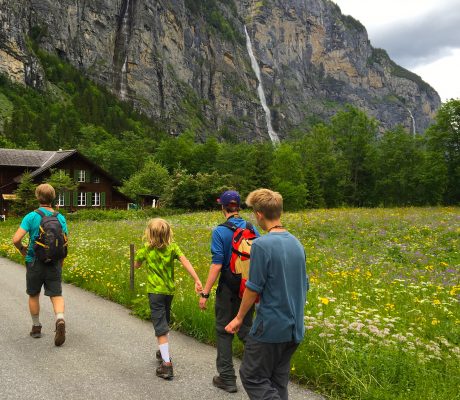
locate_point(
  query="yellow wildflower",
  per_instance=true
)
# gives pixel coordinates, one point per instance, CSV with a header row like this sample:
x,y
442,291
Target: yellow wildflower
x,y
324,300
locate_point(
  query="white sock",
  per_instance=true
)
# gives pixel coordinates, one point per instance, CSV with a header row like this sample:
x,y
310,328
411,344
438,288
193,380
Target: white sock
x,y
36,319
59,315
164,350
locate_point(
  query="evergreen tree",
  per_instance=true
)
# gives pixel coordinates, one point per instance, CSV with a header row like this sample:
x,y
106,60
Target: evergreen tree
x,y
443,139
288,177
355,134
399,159
25,193
61,182
320,156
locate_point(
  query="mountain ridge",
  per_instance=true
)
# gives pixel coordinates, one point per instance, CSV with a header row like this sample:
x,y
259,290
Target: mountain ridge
x,y
185,62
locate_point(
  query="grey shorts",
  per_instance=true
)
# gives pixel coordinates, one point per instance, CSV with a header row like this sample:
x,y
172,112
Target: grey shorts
x,y
160,308
48,275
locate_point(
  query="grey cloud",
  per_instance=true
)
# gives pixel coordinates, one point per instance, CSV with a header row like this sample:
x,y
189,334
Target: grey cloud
x,y
422,40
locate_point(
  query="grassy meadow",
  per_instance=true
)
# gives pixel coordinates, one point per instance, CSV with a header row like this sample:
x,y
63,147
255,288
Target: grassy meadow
x,y
383,313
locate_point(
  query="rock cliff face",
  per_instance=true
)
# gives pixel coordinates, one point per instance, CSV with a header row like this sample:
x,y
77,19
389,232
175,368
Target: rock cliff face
x,y
177,58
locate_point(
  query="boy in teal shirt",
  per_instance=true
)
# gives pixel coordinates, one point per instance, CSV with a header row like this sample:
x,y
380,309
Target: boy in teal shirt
x,y
277,275
38,273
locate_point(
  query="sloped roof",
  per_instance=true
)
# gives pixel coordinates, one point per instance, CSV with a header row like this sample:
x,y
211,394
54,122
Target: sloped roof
x,y
41,161
55,158
24,158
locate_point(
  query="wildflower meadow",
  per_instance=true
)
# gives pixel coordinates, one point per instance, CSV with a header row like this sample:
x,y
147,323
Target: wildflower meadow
x,y
383,311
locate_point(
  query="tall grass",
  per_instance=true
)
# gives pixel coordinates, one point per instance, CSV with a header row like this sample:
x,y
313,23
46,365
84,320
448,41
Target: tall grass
x,y
383,316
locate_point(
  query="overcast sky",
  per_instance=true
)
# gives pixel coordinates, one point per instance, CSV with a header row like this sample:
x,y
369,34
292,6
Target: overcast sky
x,y
421,35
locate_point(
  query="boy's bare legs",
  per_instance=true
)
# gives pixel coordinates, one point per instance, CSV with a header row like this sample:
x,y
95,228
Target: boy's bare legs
x,y
34,304
58,306
162,340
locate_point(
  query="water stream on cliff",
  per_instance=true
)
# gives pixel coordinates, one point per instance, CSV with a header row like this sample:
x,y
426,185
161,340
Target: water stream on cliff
x,y
260,89
124,68
412,119
124,80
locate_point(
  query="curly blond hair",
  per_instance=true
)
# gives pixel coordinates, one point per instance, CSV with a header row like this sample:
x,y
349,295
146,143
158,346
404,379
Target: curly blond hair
x,y
158,233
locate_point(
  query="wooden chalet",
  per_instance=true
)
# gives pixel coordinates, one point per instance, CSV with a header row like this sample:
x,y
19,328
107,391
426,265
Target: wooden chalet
x,y
96,188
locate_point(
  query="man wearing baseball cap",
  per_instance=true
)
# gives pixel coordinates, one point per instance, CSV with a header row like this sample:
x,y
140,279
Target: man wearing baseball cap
x,y
227,300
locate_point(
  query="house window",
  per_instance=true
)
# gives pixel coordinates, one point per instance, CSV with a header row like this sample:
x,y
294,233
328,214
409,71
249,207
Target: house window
x,y
82,175
61,200
81,199
96,199
96,179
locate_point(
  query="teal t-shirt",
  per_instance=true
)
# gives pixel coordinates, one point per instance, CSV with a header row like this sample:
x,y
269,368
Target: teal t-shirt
x,y
278,273
31,224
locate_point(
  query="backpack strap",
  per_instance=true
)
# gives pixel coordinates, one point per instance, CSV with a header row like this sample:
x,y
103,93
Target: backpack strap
x,y
250,227
230,226
40,212
234,228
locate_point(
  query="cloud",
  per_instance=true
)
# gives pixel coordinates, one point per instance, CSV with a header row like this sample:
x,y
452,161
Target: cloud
x,y
423,39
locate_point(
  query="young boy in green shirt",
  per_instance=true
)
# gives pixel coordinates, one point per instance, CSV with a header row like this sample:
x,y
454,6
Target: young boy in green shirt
x,y
159,253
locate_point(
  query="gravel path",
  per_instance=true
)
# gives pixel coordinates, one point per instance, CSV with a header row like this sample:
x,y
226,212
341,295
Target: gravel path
x,y
109,354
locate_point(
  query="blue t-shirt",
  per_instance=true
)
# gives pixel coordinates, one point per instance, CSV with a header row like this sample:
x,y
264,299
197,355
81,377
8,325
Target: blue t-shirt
x,y
278,273
221,242
31,224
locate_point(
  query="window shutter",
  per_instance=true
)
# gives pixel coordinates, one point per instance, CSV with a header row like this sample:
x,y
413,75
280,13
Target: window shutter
x,y
66,199
103,199
75,198
89,202
75,175
88,176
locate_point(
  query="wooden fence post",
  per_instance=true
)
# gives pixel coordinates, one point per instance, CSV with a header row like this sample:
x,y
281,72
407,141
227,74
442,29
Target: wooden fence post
x,y
131,270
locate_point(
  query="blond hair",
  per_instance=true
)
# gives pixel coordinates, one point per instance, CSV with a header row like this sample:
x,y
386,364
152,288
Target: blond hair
x,y
45,193
267,202
158,233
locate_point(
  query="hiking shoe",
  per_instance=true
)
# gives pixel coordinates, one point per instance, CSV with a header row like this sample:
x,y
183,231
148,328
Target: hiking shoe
x,y
229,387
36,331
59,338
165,370
158,356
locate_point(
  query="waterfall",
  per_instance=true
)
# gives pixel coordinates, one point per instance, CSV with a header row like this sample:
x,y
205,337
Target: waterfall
x,y
413,121
124,80
124,69
260,89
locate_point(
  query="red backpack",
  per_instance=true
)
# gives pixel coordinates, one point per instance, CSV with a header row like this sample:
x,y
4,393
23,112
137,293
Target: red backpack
x,y
242,240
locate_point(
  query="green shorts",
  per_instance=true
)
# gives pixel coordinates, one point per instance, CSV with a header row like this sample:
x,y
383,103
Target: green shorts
x,y
48,275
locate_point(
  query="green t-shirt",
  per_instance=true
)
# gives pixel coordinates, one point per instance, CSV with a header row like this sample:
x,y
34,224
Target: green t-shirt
x,y
160,264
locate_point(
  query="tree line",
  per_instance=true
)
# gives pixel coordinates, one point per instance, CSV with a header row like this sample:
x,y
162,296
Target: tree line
x,y
345,162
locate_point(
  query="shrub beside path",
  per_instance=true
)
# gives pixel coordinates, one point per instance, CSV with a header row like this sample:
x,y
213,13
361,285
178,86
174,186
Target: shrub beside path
x,y
109,354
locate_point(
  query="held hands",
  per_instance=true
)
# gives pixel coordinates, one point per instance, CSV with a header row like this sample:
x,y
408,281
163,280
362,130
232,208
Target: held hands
x,y
234,326
198,286
203,303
